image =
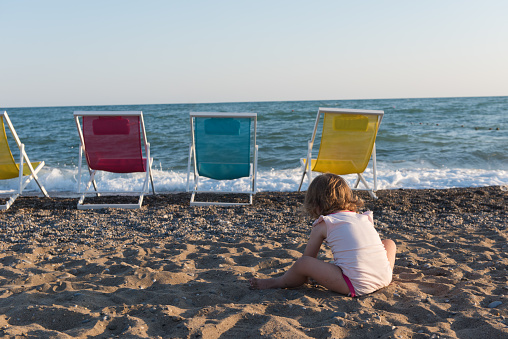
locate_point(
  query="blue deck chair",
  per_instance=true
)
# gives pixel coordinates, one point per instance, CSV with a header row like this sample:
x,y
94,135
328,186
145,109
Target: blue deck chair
x,y
223,147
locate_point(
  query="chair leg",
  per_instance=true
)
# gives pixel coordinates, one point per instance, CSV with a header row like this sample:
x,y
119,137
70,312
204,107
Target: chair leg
x,y
189,167
80,161
307,167
33,173
364,182
9,202
92,175
80,164
34,177
357,180
140,200
255,174
87,187
309,173
148,178
149,163
374,166
20,181
301,181
151,180
43,190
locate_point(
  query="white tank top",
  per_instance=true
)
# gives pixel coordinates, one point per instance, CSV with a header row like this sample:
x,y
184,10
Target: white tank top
x,y
358,250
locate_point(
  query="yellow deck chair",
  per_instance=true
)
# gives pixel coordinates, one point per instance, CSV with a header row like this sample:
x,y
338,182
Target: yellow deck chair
x,y
9,169
347,144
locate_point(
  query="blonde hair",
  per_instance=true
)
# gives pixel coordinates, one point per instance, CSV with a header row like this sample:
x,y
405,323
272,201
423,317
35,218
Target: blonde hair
x,y
329,193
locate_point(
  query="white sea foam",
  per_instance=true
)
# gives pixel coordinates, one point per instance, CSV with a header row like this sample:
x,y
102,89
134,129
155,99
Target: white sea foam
x,y
64,181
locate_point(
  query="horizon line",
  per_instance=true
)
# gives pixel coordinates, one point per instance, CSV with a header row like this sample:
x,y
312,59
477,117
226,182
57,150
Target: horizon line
x,y
261,101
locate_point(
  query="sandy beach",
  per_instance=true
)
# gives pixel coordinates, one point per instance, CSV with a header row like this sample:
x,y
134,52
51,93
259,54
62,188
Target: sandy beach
x,y
170,270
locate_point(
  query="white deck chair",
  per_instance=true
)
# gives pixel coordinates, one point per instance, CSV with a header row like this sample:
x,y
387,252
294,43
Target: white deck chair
x,y
114,142
223,147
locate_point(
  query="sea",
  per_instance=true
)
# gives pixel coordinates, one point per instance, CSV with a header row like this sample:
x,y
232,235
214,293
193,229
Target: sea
x,y
422,143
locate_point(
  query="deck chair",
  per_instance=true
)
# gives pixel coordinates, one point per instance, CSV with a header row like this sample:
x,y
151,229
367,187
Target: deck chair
x,y
26,171
223,147
113,142
347,144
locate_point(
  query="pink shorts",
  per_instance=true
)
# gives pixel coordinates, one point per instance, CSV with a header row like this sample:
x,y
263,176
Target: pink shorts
x,y
352,292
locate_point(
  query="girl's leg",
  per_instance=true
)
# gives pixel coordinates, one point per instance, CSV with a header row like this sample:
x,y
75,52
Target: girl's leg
x,y
325,274
391,249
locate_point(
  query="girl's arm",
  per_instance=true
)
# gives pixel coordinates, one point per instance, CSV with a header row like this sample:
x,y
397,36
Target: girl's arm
x,y
317,236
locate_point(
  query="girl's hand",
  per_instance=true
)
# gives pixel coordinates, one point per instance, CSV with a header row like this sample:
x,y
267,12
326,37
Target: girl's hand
x,y
313,282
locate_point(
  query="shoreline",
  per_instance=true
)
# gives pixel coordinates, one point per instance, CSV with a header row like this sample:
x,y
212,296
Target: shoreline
x,y
170,270
74,195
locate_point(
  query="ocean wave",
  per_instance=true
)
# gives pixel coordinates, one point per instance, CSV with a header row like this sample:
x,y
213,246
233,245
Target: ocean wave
x,y
59,180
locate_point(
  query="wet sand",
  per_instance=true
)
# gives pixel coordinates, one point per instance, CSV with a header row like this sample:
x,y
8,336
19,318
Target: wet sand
x,y
174,271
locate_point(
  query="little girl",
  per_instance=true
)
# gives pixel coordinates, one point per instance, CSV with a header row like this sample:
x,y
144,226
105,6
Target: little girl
x,y
362,262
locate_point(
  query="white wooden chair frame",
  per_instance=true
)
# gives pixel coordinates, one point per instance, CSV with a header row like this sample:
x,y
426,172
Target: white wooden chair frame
x,y
193,161
91,182
360,178
23,182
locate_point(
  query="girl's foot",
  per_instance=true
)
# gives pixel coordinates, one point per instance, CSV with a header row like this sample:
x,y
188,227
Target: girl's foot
x,y
260,284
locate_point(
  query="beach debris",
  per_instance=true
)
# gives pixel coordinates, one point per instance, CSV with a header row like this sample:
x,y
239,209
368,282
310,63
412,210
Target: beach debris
x,y
495,304
341,322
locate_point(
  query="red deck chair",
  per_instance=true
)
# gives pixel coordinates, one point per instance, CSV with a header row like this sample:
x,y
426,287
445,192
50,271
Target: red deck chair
x,y
113,142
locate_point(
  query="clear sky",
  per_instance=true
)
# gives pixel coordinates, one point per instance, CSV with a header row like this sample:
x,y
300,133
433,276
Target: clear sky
x,y
106,52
